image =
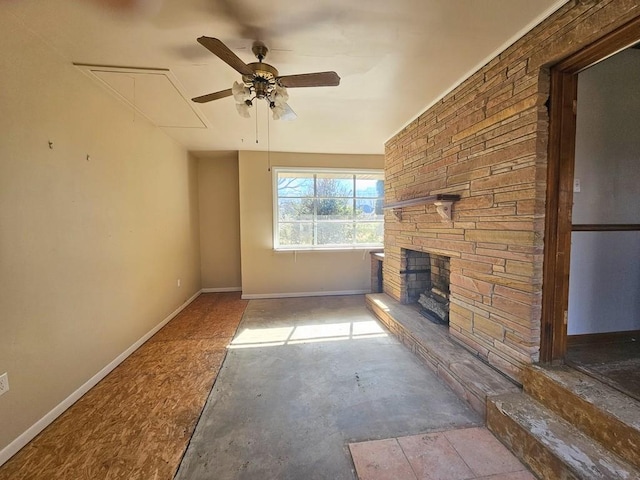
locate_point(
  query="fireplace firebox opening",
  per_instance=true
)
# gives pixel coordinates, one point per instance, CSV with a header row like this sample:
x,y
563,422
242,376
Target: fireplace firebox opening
x,y
425,280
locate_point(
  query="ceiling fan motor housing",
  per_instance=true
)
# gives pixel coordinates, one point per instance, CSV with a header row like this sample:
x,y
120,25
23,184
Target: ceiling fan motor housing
x,y
263,79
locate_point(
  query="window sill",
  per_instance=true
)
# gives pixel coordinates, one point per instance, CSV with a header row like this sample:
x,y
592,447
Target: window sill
x,y
330,249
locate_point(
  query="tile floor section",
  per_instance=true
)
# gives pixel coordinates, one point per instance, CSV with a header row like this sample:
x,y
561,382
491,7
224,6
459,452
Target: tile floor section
x,y
463,454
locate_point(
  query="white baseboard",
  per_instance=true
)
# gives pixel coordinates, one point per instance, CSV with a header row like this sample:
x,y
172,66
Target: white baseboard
x,y
255,296
10,450
221,290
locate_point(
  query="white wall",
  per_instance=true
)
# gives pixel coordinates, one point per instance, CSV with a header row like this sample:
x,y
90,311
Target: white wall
x,y
605,279
268,273
90,250
604,287
608,142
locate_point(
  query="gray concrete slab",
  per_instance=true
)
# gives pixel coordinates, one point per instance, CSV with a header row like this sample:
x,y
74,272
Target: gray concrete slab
x,y
302,379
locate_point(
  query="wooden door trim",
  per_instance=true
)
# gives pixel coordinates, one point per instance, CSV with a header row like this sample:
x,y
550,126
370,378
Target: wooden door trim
x,y
559,198
558,216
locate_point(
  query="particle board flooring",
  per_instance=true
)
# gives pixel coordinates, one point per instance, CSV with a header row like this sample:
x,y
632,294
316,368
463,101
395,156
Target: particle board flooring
x,y
137,422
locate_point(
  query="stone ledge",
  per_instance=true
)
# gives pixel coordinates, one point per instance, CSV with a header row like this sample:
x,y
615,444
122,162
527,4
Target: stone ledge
x,y
466,374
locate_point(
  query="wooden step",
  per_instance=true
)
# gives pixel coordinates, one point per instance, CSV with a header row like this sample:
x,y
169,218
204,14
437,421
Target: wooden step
x,y
603,413
549,445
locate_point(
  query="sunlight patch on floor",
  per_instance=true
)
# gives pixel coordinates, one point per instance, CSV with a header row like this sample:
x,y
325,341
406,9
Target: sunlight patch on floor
x,y
323,332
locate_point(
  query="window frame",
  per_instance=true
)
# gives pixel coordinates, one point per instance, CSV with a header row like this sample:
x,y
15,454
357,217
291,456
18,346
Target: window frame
x,y
275,171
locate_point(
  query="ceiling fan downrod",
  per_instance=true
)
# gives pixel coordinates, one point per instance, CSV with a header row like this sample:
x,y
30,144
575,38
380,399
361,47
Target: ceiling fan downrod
x,y
260,50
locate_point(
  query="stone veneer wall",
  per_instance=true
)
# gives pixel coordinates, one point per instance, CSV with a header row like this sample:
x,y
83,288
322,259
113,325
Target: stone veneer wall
x,y
487,141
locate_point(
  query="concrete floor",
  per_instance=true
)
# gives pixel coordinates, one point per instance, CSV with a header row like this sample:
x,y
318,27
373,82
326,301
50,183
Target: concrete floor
x,y
304,377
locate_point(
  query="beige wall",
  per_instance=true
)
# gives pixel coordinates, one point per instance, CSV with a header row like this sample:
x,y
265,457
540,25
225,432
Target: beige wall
x,y
219,220
90,251
269,273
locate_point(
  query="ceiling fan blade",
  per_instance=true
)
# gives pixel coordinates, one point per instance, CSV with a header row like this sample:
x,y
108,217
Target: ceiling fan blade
x,y
320,79
212,96
223,52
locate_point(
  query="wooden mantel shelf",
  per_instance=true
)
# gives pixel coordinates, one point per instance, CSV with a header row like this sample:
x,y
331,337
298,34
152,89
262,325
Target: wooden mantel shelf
x,y
442,201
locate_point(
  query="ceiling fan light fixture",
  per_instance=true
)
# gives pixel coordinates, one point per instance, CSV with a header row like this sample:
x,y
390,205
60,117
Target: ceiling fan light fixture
x,y
279,95
277,110
243,109
240,92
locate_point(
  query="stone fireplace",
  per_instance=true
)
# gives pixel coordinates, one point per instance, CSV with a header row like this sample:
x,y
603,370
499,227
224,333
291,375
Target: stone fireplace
x,y
487,141
424,279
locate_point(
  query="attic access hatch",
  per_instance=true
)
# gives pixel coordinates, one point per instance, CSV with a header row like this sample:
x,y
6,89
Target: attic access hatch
x,y
155,94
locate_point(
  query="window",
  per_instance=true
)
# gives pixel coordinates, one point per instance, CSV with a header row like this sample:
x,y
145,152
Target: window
x,y
321,209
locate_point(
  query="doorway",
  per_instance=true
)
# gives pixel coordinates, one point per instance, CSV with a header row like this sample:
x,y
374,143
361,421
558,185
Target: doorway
x,y
591,303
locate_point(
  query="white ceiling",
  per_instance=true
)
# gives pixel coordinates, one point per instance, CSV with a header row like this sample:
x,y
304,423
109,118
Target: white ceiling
x,y
395,58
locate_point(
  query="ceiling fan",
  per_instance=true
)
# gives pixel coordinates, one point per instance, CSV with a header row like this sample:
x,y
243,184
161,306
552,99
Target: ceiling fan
x,y
261,80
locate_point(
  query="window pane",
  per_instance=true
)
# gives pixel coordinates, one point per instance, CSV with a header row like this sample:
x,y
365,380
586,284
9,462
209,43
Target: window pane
x,y
334,209
369,209
334,185
329,208
295,184
294,234
369,232
295,209
369,186
335,233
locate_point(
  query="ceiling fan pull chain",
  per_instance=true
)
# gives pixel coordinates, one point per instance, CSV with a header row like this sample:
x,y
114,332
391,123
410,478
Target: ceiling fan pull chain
x,y
256,122
134,99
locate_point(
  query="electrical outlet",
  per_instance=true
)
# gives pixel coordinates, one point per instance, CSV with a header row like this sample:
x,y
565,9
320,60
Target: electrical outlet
x,y
4,383
576,185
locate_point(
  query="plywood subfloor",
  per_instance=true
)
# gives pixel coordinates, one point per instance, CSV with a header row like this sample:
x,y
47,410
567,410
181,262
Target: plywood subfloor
x,y
137,422
616,364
